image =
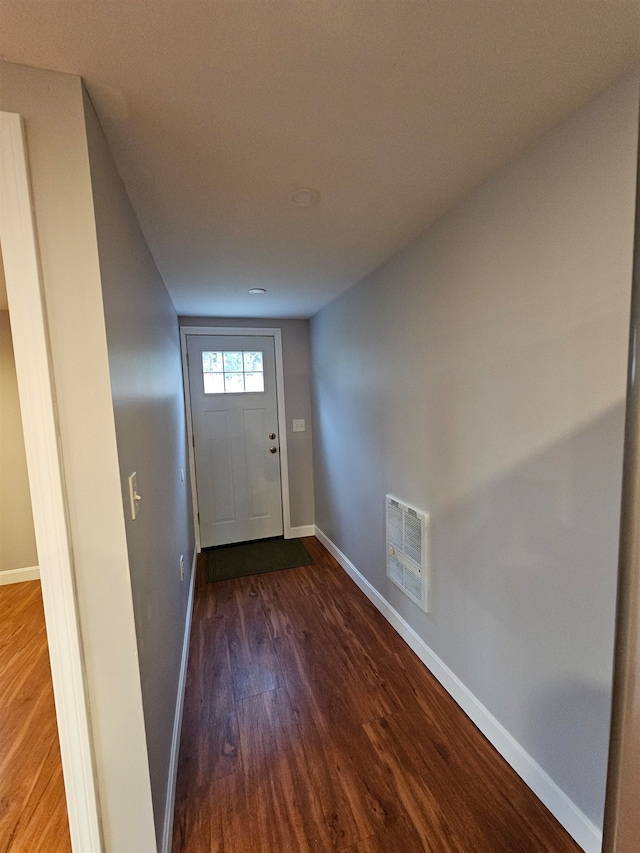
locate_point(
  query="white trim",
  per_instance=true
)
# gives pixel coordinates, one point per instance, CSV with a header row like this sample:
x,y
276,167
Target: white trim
x,y
282,430
577,824
29,573
167,834
190,454
303,530
34,373
276,334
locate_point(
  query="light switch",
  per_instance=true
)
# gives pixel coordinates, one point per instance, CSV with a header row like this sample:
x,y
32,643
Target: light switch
x,y
299,425
134,497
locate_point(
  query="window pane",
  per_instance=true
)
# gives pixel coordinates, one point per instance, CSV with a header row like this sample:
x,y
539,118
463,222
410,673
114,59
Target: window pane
x,y
232,361
212,362
254,382
213,383
252,362
234,383
233,372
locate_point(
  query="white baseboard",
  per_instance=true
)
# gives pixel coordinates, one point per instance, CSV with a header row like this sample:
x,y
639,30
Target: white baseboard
x,y
304,530
177,721
577,824
30,573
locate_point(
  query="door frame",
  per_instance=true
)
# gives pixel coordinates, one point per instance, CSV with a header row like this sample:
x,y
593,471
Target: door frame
x,y
243,331
620,828
35,377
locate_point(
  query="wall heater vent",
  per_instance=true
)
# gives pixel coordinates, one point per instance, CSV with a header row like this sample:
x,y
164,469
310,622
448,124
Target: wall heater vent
x,y
407,550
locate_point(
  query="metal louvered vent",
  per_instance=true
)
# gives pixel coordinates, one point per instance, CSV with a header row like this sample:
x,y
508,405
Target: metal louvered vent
x,y
407,549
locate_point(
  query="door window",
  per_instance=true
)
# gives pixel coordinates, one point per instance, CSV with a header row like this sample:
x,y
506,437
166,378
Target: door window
x,y
233,372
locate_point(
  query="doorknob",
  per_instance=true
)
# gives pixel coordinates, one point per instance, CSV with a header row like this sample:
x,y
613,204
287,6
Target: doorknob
x,y
273,449
272,435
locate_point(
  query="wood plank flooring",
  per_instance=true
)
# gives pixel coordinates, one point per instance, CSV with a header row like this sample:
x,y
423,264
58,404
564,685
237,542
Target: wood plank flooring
x,y
33,813
309,725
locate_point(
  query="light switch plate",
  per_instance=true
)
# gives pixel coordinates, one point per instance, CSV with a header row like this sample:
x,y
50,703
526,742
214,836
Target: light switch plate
x,y
299,425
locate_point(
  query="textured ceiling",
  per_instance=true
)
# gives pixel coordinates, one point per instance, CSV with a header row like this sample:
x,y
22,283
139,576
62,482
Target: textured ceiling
x,y
216,111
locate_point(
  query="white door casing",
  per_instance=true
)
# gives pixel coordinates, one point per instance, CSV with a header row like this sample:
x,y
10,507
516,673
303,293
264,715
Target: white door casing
x,y
235,439
44,464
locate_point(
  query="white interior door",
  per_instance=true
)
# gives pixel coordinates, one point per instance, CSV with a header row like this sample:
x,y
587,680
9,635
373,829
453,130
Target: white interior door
x,y
234,414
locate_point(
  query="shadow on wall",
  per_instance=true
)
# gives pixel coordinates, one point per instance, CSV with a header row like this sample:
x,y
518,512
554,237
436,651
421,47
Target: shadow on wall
x,y
524,590
572,718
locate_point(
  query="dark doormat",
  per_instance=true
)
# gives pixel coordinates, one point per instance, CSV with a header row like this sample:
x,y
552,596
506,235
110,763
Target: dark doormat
x,y
255,558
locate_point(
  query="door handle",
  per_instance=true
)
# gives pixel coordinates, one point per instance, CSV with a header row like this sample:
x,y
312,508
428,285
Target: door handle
x,y
273,449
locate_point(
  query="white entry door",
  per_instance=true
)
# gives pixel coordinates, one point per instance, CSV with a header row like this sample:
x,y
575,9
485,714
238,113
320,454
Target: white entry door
x,y
234,414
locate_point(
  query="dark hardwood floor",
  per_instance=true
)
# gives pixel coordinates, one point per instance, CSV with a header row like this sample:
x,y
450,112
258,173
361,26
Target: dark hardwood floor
x,y
309,725
33,812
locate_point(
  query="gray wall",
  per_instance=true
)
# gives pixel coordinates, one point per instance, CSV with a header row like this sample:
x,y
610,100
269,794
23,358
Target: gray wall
x,y
480,375
297,392
51,105
143,344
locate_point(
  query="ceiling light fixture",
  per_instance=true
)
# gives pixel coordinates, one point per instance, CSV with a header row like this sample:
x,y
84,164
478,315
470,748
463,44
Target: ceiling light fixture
x,y
257,290
305,197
